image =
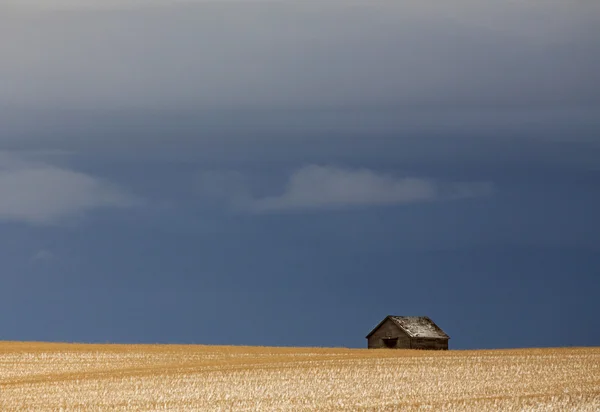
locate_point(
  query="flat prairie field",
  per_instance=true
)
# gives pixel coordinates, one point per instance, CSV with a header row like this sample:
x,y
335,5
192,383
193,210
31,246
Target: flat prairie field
x,y
79,377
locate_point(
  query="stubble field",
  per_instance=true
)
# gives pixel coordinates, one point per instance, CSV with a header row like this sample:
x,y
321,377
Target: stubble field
x,y
54,377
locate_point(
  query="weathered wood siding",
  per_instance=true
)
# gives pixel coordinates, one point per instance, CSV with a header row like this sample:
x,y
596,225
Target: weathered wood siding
x,y
391,330
435,344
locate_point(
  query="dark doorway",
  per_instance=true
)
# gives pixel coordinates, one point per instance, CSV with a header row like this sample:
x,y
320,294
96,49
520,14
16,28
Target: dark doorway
x,y
390,342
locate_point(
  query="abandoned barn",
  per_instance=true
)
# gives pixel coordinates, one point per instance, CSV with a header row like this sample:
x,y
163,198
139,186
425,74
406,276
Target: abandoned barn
x,y
407,332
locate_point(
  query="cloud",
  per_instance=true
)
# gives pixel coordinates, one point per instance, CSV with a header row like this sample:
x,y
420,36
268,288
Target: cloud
x,y
43,256
331,187
39,193
223,186
85,4
219,80
297,54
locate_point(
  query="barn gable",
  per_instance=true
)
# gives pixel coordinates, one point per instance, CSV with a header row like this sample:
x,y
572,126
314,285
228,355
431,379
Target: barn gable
x,y
389,334
388,327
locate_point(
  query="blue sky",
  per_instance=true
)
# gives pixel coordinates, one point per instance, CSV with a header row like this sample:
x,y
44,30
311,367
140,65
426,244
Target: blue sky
x,y
290,172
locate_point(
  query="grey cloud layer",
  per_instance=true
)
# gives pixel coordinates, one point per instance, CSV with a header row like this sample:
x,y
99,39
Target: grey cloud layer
x,y
331,187
228,83
84,4
301,55
40,193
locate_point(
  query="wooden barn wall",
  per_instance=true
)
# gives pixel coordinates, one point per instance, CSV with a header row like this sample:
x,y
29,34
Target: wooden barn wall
x,y
435,344
388,329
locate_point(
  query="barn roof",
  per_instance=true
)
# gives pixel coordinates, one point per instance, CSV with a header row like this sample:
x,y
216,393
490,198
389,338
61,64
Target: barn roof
x,y
415,327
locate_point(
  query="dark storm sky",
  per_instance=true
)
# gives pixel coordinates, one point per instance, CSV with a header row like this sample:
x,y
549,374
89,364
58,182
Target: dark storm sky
x,y
290,172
